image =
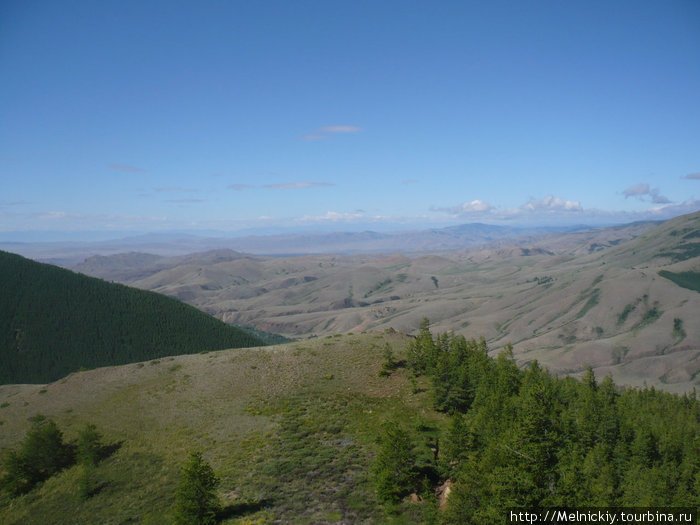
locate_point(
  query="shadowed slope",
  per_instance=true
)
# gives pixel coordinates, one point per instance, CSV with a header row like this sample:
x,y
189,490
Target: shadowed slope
x,y
54,321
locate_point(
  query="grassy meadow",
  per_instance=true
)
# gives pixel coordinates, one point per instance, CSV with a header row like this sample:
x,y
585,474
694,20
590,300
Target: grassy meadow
x,y
291,431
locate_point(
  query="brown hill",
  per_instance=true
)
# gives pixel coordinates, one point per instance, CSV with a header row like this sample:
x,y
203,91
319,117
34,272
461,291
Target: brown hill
x,y
581,299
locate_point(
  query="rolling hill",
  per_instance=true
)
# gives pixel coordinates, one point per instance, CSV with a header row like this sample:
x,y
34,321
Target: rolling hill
x,y
289,429
586,298
307,432
54,321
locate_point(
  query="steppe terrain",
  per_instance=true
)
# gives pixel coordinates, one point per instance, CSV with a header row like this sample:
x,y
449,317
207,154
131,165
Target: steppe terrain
x,y
290,430
586,298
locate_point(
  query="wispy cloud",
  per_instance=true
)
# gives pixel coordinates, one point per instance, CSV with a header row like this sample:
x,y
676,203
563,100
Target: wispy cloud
x,y
126,168
636,191
325,132
692,176
480,210
641,191
55,215
340,129
239,187
175,189
76,221
185,201
551,203
556,210
332,216
297,185
410,181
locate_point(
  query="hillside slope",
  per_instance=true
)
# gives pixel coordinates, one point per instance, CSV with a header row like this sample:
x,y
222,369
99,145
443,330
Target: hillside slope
x,y
54,321
290,430
591,298
352,429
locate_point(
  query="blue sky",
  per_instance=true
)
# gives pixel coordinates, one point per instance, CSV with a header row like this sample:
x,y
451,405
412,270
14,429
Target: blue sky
x,y
227,115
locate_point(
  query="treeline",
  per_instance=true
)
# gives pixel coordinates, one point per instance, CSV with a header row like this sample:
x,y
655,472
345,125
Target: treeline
x,y
523,438
54,321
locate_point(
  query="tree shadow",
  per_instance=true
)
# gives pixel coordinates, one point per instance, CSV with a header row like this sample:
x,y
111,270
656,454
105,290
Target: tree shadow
x,y
235,510
106,451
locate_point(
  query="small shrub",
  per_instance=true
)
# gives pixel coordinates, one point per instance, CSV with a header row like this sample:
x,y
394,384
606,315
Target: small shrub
x,y
678,330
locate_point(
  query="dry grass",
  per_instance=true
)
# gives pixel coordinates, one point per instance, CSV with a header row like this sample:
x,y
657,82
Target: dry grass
x,y
570,293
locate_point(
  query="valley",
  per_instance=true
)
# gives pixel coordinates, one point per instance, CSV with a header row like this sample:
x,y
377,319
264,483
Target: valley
x,y
569,300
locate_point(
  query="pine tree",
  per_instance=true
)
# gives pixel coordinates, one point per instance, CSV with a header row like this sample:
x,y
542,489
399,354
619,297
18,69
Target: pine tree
x,y
43,453
394,466
196,502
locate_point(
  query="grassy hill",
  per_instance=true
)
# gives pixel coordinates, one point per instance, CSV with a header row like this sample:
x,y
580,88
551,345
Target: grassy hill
x,y
308,432
289,429
54,321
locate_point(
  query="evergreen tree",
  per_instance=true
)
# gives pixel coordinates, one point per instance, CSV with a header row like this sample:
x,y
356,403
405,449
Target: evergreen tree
x,y
196,502
394,470
42,454
90,448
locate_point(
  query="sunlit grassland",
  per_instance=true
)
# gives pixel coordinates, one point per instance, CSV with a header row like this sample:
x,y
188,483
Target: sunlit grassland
x,y
290,430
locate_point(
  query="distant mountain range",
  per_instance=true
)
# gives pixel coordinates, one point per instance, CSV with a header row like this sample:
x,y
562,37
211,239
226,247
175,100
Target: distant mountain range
x,y
341,243
54,321
570,300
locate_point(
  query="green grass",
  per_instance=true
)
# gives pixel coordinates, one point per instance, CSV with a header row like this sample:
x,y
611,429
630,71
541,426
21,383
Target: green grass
x,y
622,316
689,280
650,316
289,444
593,300
682,252
380,286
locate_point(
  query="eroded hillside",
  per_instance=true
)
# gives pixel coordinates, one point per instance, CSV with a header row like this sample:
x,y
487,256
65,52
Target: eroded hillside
x,y
581,299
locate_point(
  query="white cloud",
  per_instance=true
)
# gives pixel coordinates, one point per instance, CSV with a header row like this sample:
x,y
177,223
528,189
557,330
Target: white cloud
x,y
555,210
175,189
297,185
551,203
340,129
332,216
545,209
657,198
475,206
692,176
325,132
239,187
126,168
636,190
54,215
641,191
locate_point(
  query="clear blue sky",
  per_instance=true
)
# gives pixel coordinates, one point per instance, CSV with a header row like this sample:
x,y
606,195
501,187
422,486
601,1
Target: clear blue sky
x,y
153,115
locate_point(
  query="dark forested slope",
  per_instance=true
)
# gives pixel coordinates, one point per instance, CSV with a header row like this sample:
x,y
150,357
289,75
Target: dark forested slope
x,y
54,321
